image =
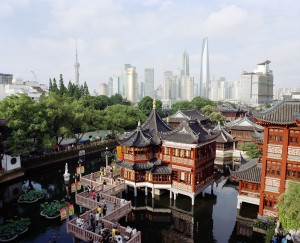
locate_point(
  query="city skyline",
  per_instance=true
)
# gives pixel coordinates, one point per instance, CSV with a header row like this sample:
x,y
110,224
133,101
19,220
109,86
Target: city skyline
x,y
41,36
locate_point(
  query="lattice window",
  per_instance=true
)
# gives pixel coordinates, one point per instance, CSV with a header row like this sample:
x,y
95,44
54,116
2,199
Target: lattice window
x,y
294,137
273,168
293,172
269,201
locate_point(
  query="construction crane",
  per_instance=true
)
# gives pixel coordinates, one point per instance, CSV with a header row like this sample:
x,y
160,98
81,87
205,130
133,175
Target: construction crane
x,y
35,77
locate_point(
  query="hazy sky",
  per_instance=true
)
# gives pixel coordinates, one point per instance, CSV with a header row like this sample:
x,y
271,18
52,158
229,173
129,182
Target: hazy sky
x,y
40,36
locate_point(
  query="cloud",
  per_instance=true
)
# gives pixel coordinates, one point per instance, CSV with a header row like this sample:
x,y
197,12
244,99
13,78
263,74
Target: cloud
x,y
5,9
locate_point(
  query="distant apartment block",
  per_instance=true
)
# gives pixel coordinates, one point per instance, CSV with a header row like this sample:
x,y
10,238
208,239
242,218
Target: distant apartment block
x,y
256,87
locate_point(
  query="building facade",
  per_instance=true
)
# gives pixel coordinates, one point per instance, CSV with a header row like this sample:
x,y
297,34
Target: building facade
x,y
204,70
281,152
257,87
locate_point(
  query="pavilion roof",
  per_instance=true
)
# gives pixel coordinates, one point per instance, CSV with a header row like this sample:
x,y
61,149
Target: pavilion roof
x,y
190,132
244,124
285,112
250,172
224,136
146,134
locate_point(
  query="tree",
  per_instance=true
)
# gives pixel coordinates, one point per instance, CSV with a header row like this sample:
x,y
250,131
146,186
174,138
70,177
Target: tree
x,y
289,207
252,150
146,105
117,99
207,110
216,117
181,105
62,87
27,124
120,117
198,103
57,111
54,87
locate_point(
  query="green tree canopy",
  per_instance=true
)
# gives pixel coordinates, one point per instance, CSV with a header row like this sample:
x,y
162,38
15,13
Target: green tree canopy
x,y
121,117
207,110
216,117
252,150
289,207
146,105
181,105
27,124
198,103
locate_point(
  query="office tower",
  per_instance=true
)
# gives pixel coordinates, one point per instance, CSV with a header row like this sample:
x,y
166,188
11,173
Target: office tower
x,y
158,93
171,86
131,84
149,82
257,87
76,65
218,89
187,88
110,87
141,90
185,64
103,89
116,89
204,70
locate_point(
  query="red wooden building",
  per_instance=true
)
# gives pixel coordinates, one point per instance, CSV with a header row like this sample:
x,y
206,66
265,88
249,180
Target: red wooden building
x,y
156,157
281,152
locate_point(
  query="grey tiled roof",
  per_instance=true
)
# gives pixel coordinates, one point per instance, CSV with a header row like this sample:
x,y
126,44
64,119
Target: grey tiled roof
x,y
224,136
190,132
136,138
258,136
194,115
155,167
282,113
244,124
162,170
251,172
146,134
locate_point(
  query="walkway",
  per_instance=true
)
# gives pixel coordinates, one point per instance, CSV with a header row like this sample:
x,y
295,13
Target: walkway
x,y
116,209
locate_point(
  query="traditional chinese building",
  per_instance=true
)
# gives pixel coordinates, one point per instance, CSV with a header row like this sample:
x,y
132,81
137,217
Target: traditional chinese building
x,y
242,130
185,115
224,148
281,152
249,178
180,160
232,111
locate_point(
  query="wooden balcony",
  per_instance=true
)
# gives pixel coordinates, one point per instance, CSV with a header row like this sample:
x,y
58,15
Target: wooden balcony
x,y
136,157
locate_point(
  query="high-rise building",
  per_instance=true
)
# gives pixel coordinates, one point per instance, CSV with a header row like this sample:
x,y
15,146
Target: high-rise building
x,y
103,89
149,82
76,65
116,89
257,87
110,87
187,88
131,84
185,64
204,70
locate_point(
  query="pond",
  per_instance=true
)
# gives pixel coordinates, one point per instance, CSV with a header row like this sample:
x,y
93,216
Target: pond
x,y
212,219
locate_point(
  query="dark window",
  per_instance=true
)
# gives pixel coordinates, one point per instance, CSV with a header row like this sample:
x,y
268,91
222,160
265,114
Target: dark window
x,y
13,161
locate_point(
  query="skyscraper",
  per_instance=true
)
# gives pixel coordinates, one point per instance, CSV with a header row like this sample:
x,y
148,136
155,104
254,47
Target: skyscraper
x,y
185,64
204,70
131,85
149,82
76,65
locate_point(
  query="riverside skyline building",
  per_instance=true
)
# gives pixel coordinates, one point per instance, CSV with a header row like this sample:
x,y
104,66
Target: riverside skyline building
x,y
149,83
204,70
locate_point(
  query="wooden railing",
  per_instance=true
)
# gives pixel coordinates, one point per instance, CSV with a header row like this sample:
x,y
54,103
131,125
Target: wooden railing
x,y
84,199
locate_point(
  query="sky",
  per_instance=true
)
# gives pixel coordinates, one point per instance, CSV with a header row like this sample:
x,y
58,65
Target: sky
x,y
41,36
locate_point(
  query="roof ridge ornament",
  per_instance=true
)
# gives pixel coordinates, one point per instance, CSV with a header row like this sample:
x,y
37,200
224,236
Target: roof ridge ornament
x,y
154,104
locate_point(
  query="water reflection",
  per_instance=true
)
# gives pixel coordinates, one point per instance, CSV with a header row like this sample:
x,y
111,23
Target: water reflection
x,y
211,219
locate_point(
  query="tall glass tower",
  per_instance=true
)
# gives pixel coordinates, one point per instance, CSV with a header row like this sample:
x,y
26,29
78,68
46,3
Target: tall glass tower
x,y
204,70
185,64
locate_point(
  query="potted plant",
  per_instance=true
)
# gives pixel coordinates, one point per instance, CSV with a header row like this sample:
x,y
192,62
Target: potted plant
x,y
31,196
13,228
51,210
